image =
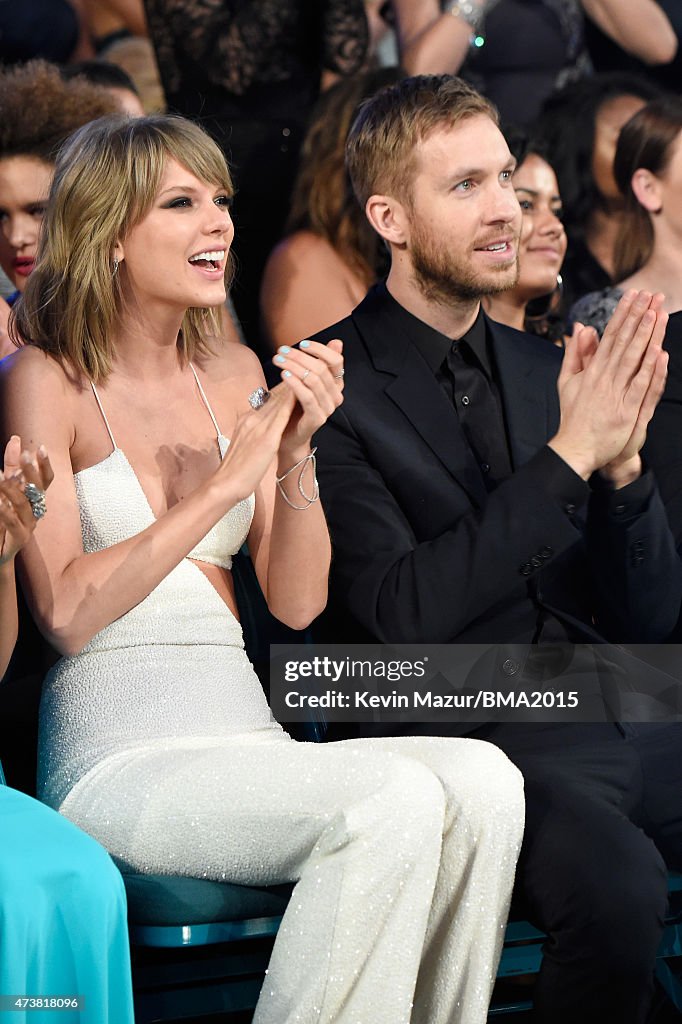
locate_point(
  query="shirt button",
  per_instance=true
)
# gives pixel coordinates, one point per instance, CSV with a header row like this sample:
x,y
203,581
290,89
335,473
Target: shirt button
x,y
286,132
619,509
569,509
536,561
465,399
510,667
546,552
485,468
526,569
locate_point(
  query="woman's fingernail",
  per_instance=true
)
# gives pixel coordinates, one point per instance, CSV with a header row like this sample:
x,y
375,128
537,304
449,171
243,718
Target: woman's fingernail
x,y
305,344
279,359
287,373
42,451
284,348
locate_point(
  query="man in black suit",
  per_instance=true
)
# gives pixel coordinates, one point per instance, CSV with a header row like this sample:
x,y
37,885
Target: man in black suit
x,y
468,501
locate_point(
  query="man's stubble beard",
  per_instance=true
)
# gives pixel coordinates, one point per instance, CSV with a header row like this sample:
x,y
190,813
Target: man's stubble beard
x,y
444,280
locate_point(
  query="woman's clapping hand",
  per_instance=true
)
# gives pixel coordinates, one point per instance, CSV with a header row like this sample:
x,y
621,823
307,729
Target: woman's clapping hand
x,y
17,521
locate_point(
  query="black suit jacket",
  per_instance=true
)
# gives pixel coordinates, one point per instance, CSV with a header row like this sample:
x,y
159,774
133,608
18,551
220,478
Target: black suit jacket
x,y
422,553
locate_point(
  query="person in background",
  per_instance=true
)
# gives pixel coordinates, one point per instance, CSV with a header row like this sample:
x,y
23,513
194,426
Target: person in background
x,y
17,523
580,125
532,304
45,29
109,21
606,55
111,77
523,49
39,111
648,172
63,928
330,256
119,34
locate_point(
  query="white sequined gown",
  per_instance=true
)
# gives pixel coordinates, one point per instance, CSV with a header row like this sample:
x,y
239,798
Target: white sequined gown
x,y
158,741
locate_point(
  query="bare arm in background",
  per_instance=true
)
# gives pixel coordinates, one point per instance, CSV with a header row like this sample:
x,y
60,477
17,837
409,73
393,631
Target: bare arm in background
x,y
640,27
433,41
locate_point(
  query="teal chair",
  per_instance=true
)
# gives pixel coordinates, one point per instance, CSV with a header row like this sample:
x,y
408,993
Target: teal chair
x,y
199,948
213,940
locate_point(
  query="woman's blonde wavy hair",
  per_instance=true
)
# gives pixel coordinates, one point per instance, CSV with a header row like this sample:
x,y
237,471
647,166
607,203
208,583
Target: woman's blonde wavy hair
x,y
106,179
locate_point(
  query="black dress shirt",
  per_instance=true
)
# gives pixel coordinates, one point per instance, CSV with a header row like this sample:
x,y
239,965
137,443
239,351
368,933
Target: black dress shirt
x,y
464,368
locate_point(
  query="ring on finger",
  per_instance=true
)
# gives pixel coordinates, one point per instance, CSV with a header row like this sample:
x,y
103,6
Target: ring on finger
x,y
36,499
305,374
258,398
339,375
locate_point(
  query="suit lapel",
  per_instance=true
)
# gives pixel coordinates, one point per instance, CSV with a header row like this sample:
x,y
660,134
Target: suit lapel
x,y
531,408
412,387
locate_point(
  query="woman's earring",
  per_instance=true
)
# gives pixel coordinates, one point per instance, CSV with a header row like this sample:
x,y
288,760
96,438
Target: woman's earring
x,y
114,272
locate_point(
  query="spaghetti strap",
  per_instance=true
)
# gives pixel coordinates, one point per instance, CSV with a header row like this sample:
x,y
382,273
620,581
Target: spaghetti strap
x,y
206,402
104,415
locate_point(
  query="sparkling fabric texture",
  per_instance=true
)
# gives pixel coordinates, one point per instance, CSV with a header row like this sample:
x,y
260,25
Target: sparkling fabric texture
x,y
158,741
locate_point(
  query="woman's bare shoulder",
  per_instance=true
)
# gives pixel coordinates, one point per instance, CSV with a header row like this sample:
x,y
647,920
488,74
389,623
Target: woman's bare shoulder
x,y
37,398
302,247
30,370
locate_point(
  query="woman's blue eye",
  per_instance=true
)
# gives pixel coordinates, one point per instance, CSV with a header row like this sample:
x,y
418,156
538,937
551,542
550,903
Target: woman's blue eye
x,y
225,201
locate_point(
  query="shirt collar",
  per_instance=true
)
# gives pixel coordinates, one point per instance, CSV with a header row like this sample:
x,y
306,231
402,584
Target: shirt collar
x,y
433,346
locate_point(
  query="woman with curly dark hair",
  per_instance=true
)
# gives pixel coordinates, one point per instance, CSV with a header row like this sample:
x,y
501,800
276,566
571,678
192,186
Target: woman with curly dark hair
x,y
39,112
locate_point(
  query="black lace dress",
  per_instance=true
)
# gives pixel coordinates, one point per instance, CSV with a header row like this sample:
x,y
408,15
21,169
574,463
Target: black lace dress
x,y
249,71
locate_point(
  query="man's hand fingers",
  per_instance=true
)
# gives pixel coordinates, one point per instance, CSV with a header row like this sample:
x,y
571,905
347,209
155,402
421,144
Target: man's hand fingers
x,y
617,320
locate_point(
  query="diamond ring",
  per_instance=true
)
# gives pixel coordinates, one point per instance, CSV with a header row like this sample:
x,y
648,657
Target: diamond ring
x,y
258,398
36,499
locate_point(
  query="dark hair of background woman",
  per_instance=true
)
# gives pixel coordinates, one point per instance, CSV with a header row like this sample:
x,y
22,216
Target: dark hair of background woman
x,y
567,123
645,141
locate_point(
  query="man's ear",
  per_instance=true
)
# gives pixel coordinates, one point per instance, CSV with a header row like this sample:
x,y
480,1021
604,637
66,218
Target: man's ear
x,y
389,218
647,189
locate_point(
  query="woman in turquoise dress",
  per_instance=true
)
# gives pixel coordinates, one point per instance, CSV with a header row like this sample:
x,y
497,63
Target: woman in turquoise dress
x,y
63,934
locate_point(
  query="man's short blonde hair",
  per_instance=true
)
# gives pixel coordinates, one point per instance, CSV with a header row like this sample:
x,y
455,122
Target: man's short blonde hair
x,y
380,150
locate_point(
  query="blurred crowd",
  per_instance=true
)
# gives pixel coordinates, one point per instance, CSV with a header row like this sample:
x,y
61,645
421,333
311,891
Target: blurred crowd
x,y
278,89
